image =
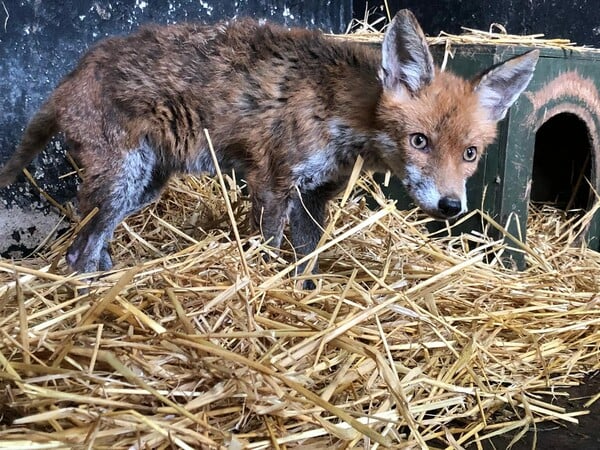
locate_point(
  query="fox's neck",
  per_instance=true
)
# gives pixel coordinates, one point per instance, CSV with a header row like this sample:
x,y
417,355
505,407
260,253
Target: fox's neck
x,y
355,129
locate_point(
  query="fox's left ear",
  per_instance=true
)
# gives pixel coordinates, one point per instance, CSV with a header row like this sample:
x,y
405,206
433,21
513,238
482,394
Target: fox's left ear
x,y
500,86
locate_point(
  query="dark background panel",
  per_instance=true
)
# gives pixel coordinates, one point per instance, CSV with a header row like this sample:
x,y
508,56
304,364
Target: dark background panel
x,y
577,20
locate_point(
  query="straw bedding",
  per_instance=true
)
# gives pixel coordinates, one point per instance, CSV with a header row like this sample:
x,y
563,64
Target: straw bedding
x,y
409,340
368,30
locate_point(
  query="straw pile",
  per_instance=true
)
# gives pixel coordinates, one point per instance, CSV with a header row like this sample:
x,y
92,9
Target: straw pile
x,y
370,31
408,341
497,35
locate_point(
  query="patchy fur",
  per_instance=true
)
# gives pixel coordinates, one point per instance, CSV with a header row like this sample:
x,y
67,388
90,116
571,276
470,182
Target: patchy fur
x,y
290,109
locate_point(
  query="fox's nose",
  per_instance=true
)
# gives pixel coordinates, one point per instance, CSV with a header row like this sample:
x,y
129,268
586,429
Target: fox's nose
x,y
449,206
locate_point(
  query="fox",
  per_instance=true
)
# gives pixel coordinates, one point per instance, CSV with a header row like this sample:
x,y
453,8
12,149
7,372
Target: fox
x,y
290,109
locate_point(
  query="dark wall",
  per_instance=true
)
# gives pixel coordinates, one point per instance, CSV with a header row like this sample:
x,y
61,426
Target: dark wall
x,y
41,41
577,20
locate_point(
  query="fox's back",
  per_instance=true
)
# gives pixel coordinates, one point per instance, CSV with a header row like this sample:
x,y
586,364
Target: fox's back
x,y
186,57
168,83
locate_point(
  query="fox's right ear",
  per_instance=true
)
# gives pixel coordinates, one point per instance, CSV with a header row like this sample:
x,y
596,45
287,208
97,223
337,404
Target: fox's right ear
x,y
406,62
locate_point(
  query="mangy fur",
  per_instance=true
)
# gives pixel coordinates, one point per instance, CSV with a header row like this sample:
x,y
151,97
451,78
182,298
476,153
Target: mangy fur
x,y
290,109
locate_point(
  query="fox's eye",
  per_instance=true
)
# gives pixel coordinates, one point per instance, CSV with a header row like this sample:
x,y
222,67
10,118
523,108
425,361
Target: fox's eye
x,y
470,154
418,141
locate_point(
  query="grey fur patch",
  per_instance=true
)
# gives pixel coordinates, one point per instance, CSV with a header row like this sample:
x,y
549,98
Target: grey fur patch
x,y
336,161
422,189
201,164
136,176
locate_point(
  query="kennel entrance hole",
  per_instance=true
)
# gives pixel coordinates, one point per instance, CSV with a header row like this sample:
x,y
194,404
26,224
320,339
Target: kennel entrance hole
x,y
562,163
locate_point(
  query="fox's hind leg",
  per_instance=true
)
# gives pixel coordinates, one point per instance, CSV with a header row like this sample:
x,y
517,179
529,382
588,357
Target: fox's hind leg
x,y
124,184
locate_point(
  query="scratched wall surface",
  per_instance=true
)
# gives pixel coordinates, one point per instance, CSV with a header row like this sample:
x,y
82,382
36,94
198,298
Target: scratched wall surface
x,y
41,41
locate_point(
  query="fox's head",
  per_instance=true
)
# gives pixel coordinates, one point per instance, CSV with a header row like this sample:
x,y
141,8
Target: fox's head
x,y
440,123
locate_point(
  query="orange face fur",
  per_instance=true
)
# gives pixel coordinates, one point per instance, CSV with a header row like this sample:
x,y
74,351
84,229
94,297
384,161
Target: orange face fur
x,y
289,110
443,132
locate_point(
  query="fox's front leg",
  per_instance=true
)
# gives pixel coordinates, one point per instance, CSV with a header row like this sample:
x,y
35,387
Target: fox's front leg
x,y
269,215
307,218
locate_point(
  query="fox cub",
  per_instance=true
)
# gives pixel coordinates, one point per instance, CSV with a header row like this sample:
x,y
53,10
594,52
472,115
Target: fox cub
x,y
289,109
